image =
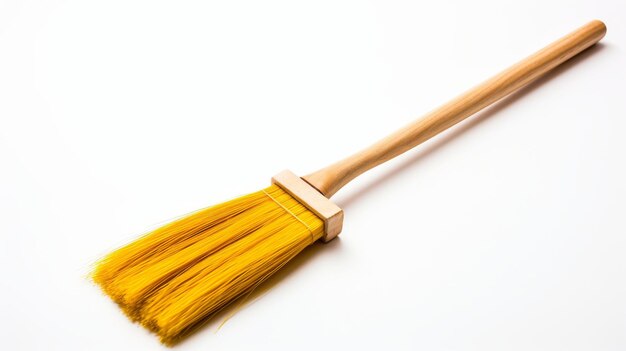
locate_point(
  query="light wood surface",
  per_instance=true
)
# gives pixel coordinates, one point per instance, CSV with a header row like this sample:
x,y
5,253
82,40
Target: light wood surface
x,y
332,178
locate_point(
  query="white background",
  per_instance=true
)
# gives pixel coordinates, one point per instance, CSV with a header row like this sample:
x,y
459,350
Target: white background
x,y
506,233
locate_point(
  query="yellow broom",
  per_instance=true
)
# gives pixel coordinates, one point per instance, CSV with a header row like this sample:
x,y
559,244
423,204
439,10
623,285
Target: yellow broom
x,y
175,277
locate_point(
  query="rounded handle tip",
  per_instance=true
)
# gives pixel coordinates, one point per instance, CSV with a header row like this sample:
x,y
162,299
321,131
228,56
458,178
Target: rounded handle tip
x,y
599,26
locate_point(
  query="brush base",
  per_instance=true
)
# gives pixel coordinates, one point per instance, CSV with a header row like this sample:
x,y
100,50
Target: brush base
x,y
308,196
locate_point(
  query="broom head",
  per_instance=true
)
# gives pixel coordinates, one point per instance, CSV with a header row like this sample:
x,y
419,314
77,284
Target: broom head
x,y
176,277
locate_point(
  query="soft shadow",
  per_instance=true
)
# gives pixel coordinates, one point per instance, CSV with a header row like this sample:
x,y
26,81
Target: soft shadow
x,y
473,121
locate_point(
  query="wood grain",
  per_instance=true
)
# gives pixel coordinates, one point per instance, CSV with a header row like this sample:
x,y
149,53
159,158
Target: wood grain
x,y
332,178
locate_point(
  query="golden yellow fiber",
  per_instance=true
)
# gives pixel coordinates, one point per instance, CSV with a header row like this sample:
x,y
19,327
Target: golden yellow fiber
x,y
175,277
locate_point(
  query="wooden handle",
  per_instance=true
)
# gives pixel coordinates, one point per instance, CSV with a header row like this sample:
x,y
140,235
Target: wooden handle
x,y
332,178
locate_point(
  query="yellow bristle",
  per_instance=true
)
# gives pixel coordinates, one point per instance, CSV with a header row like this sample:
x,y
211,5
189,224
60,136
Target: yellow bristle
x,y
175,277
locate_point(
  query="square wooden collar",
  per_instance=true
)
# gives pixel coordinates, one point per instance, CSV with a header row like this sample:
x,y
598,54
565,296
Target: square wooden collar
x,y
307,195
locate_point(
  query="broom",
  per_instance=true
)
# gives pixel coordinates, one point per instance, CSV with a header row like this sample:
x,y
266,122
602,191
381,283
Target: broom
x,y
174,278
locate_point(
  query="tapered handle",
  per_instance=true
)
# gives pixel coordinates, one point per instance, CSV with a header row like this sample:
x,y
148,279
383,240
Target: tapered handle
x,y
332,178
